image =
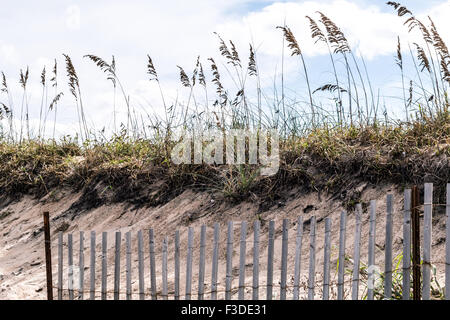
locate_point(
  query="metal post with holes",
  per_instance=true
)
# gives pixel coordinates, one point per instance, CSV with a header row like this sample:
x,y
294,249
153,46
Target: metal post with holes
x,y
48,256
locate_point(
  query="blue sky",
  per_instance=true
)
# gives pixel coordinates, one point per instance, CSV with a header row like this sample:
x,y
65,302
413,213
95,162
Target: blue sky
x,y
175,32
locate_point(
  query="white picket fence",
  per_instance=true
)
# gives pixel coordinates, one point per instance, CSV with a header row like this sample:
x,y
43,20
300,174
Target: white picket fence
x,y
256,287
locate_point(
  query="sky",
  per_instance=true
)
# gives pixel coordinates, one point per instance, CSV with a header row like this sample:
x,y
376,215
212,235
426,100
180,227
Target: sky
x,y
175,32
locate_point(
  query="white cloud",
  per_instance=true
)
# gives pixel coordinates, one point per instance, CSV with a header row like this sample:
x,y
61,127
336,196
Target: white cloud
x,y
374,32
73,17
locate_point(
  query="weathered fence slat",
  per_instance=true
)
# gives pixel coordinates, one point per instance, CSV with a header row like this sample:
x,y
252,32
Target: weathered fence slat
x,y
70,261
270,260
256,228
447,245
415,239
164,268
141,265
201,264
152,264
229,266
189,263
388,248
284,256
104,263
326,260
60,265
371,258
117,266
215,262
312,258
298,256
92,268
427,229
356,252
242,250
177,266
128,264
81,268
342,229
407,245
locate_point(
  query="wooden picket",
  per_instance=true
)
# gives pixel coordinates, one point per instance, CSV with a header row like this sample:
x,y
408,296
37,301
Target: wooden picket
x,y
104,263
298,255
256,228
117,266
164,269
92,268
406,245
128,265
270,250
70,260
242,250
81,268
326,260
60,265
177,266
356,252
284,257
215,262
312,258
340,284
229,264
141,265
371,253
427,225
189,263
388,248
152,264
201,267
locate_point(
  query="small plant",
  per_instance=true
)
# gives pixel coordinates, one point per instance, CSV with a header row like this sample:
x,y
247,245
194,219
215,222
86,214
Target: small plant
x,y
397,282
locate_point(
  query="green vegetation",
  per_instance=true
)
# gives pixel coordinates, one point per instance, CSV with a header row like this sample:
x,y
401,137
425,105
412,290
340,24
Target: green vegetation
x,y
437,292
322,147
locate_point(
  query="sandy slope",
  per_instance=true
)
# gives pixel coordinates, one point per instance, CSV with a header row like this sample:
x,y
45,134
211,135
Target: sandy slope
x,y
22,270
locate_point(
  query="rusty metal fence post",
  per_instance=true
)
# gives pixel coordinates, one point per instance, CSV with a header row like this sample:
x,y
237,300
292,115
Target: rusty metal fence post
x,y
48,256
415,242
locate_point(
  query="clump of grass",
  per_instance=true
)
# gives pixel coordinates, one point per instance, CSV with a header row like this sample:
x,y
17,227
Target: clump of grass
x,y
373,154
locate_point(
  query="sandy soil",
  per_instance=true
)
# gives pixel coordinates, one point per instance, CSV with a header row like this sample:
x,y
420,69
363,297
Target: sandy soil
x,y
22,264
